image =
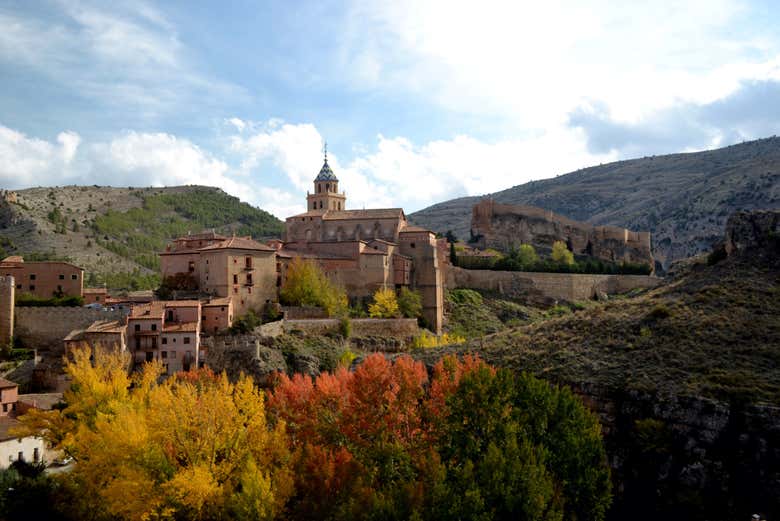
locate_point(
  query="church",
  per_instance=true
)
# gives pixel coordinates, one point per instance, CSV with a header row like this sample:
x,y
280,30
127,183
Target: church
x,y
364,250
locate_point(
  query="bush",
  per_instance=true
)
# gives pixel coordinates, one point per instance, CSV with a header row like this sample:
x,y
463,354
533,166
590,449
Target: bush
x,y
385,304
410,303
561,254
25,299
426,340
306,284
345,327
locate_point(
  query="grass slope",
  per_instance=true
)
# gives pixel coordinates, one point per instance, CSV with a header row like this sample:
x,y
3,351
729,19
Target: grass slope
x,y
713,331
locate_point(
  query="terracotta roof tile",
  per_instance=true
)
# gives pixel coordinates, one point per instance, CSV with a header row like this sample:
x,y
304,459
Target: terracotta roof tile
x,y
238,243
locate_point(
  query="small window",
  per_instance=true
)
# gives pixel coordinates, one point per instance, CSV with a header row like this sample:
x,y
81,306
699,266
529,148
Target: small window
x,y
186,340
216,328
21,455
165,340
138,342
32,287
222,308
62,277
235,279
18,286
235,290
74,277
59,287
411,245
36,455
138,327
164,354
32,276
154,327
97,298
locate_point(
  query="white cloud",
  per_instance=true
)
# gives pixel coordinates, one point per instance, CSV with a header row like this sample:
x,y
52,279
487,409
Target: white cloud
x,y
536,62
28,161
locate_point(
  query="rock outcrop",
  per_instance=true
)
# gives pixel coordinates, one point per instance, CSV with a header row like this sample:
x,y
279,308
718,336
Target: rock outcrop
x,y
502,226
752,231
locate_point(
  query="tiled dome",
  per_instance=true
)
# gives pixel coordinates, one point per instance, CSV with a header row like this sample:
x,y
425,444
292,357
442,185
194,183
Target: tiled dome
x,y
326,174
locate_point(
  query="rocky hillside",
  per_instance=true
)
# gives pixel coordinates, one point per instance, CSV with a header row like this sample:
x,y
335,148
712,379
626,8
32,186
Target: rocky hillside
x,y
116,233
683,199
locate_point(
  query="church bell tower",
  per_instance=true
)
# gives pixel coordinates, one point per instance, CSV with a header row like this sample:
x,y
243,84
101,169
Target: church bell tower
x,y
326,194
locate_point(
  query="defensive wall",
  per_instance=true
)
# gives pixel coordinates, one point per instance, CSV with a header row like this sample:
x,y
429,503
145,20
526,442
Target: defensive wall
x,y
557,286
7,287
400,328
46,327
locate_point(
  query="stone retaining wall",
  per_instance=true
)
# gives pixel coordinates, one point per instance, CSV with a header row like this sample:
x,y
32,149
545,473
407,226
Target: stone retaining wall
x,y
401,328
558,286
46,327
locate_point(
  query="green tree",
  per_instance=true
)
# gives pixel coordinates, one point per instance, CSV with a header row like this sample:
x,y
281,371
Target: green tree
x,y
410,303
561,254
306,284
526,255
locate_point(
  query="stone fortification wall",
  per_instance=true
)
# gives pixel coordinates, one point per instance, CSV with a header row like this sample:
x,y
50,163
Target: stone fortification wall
x,y
300,312
502,226
557,286
7,287
400,328
46,327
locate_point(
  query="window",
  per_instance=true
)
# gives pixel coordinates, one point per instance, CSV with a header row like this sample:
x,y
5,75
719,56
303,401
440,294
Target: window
x,y
235,290
222,308
186,340
21,455
154,327
5,407
154,342
36,455
32,276
235,279
32,287
320,204
97,298
191,266
59,287
249,278
18,286
62,277
137,343
216,328
138,327
74,277
165,340
411,245
248,261
164,354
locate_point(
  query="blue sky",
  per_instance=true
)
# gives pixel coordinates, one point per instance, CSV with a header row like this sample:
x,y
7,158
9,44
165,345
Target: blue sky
x,y
420,101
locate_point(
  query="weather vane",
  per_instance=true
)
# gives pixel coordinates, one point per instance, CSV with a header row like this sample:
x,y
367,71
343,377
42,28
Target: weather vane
x,y
325,149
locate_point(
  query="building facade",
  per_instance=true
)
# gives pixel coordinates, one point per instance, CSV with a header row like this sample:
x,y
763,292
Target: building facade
x,y
44,279
364,250
168,331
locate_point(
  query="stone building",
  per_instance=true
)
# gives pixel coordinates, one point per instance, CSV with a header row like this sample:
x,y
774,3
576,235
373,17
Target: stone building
x,y
168,331
235,267
44,279
106,334
7,289
364,250
9,394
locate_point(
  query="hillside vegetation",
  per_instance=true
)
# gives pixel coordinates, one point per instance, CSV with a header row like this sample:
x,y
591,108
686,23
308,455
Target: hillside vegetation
x,y
116,233
683,199
711,331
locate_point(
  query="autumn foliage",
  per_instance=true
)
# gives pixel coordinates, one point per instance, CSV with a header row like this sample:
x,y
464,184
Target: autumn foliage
x,y
389,440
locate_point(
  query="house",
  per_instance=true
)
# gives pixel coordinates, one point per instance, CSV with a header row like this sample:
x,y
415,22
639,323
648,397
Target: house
x,y
96,296
168,331
44,279
216,315
108,334
30,448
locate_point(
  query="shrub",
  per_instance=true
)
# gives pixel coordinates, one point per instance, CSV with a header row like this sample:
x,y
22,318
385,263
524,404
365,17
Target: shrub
x,y
385,304
306,284
410,303
426,340
659,312
345,327
561,254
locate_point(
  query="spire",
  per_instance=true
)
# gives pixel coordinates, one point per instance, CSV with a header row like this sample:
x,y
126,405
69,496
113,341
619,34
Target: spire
x,y
326,174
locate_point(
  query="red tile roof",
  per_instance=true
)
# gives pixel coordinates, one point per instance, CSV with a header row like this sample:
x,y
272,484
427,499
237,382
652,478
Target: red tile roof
x,y
238,243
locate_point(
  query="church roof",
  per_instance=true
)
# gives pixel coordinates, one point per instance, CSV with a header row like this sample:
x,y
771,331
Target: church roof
x,y
326,174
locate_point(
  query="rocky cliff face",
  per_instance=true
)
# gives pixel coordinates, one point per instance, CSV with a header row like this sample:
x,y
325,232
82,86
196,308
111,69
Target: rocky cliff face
x,y
676,457
502,226
752,232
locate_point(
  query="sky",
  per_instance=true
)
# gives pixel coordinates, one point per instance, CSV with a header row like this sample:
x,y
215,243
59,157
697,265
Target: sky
x,y
419,101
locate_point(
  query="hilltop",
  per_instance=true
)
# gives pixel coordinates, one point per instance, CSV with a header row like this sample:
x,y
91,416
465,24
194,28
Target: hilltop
x,y
683,199
116,233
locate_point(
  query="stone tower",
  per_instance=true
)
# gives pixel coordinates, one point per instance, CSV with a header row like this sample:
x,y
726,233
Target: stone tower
x,y
7,289
326,194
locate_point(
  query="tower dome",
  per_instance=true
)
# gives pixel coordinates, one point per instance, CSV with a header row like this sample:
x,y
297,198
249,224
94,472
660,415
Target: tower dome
x,y
326,174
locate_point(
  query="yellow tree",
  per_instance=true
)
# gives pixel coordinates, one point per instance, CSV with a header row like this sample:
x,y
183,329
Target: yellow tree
x,y
193,447
385,304
561,254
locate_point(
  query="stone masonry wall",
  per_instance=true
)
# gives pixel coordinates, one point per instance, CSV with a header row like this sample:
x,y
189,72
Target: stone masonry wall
x,y
7,286
558,286
401,328
45,327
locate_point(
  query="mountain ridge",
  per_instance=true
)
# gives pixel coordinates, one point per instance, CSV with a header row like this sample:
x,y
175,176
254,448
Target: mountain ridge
x,y
683,199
